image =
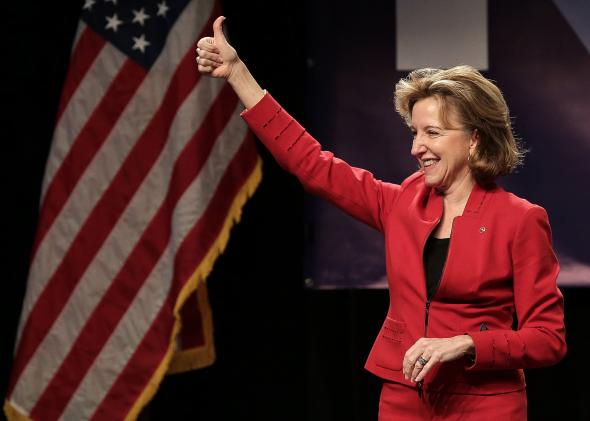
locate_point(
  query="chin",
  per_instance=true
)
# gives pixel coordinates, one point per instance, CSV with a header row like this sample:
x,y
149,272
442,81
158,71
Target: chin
x,y
431,181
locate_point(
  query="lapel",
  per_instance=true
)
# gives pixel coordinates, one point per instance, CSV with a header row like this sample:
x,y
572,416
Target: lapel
x,y
463,227
429,206
478,199
430,203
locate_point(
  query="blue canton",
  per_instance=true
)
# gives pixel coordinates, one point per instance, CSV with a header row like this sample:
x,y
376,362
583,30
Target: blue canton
x,y
138,28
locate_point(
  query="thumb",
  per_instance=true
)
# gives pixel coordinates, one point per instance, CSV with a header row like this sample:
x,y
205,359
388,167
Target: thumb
x,y
218,34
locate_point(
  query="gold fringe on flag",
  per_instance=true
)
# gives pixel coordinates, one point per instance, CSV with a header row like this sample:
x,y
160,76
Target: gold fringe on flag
x,y
13,414
204,355
200,274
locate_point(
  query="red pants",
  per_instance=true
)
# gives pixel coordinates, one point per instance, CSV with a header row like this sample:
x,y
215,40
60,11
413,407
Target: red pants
x,y
400,403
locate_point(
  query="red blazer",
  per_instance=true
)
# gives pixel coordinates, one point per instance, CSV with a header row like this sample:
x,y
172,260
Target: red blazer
x,y
500,264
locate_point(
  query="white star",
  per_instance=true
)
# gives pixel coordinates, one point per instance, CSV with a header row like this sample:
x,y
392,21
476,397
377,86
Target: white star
x,y
113,22
88,4
140,16
140,43
162,9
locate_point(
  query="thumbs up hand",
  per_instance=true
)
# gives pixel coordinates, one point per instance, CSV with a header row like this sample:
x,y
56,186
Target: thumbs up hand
x,y
215,57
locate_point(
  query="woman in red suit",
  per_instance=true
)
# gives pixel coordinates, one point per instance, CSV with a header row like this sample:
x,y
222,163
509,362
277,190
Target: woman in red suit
x,y
463,256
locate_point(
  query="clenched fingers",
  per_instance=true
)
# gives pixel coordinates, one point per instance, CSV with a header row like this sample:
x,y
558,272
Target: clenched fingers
x,y
203,54
207,63
205,69
207,44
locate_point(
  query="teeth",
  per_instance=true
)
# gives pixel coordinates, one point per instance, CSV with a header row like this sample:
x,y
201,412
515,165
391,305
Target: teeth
x,y
430,162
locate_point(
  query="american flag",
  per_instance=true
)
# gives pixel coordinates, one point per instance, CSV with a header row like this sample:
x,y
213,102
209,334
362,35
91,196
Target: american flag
x,y
149,167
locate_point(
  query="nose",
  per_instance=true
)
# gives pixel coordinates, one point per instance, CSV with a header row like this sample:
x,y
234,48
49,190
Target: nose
x,y
418,147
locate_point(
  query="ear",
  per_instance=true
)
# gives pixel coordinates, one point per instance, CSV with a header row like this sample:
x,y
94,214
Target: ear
x,y
473,140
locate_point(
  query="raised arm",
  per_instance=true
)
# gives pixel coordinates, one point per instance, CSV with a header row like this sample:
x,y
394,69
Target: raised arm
x,y
352,189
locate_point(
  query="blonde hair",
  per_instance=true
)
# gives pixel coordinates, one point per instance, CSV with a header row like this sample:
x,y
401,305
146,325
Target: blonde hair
x,y
478,105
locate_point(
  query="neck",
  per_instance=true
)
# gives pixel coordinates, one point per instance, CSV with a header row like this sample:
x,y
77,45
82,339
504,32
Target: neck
x,y
458,193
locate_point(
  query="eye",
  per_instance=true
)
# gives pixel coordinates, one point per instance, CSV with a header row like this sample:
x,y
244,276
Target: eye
x,y
413,135
432,133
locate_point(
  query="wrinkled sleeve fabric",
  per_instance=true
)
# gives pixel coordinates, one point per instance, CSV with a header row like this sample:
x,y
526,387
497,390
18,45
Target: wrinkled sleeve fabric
x,y
354,190
540,337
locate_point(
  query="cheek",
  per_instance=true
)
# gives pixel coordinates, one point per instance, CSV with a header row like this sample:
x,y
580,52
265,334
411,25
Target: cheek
x,y
455,157
457,153
462,155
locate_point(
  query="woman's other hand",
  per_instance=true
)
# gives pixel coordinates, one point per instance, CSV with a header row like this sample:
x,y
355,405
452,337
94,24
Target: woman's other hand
x,y
427,352
215,56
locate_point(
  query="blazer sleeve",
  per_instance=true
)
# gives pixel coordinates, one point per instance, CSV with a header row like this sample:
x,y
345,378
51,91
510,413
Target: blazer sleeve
x,y
540,337
354,190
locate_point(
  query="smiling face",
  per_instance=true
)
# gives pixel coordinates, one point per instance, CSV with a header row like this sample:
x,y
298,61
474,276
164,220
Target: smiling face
x,y
441,149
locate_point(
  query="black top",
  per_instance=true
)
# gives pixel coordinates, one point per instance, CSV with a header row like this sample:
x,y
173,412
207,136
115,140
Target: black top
x,y
435,256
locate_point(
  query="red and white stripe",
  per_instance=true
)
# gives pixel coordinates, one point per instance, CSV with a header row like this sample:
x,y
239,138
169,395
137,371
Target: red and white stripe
x,y
142,172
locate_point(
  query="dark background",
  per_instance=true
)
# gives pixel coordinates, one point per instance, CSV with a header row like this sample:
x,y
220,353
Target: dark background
x,y
284,352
